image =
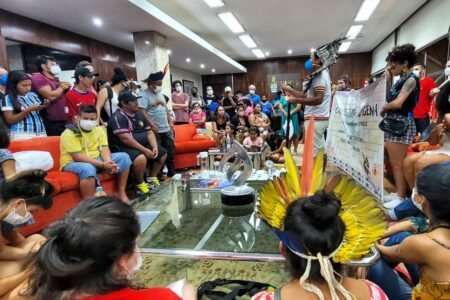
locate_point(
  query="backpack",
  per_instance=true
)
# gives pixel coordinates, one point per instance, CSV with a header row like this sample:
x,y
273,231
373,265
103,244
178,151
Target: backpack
x,y
103,114
227,289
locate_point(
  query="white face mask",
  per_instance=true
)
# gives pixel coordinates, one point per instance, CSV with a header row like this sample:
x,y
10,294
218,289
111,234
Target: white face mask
x,y
55,70
17,220
447,71
88,125
137,91
209,92
417,73
178,88
252,92
413,195
158,89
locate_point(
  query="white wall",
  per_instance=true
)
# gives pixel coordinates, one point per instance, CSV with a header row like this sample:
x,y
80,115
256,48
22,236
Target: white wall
x,y
379,54
180,74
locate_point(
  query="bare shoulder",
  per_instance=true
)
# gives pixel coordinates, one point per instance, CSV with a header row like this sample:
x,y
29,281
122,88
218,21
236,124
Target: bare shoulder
x,y
357,287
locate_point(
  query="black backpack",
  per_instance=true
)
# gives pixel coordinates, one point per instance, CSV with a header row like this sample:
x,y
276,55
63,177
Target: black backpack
x,y
103,114
227,289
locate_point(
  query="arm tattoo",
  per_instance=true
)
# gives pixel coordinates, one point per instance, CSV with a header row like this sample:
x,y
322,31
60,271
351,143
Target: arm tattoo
x,y
408,86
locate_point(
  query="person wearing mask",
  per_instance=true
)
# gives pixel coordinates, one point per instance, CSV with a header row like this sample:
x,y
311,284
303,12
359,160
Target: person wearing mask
x,y
260,120
220,121
252,95
429,250
267,106
132,133
210,97
240,122
228,102
180,103
21,108
21,195
85,150
3,81
135,88
401,101
81,93
154,108
92,254
198,118
7,161
47,85
423,107
316,97
196,98
436,91
108,97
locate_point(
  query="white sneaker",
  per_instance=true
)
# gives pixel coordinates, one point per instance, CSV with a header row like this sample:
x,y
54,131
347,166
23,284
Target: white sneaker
x,y
390,197
394,202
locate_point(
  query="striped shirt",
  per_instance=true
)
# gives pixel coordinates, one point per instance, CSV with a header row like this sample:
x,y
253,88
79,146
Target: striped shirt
x,y
32,123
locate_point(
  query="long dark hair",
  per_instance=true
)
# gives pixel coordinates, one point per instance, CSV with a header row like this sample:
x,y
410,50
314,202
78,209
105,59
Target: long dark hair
x,y
443,100
14,77
118,76
315,221
433,183
81,249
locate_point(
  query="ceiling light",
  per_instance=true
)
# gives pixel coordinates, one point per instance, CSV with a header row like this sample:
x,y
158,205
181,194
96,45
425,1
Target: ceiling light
x,y
267,53
313,50
366,9
188,60
354,31
202,66
214,3
97,21
169,51
213,70
230,20
248,41
147,42
344,46
258,53
289,51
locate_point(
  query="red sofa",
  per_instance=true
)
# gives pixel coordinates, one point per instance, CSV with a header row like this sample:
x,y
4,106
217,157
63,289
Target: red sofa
x,y
66,185
188,144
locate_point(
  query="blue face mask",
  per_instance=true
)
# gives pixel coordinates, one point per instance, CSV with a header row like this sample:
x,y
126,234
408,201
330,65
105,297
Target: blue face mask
x,y
308,66
3,79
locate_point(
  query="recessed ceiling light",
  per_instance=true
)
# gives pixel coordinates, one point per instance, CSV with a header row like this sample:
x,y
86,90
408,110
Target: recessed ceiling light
x,y
230,20
213,70
169,51
188,60
214,3
366,10
344,46
147,42
289,51
258,53
248,41
202,66
354,31
97,21
313,50
267,53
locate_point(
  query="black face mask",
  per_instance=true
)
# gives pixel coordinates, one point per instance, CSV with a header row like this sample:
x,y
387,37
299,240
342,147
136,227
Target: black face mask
x,y
194,94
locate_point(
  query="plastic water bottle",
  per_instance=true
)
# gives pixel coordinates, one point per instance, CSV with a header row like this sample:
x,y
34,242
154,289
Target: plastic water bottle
x,y
99,192
228,143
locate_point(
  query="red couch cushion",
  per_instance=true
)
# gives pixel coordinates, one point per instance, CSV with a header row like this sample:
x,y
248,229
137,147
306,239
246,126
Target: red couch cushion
x,y
194,146
49,144
185,132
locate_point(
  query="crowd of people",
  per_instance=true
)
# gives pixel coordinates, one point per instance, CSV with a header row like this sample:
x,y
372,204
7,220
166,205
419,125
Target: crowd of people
x,y
121,128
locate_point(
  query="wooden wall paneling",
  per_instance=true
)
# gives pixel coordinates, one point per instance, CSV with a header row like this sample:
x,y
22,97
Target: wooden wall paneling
x,y
107,52
22,29
3,56
131,72
104,68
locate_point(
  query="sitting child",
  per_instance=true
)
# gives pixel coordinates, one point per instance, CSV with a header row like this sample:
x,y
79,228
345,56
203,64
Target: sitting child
x,y
230,132
254,140
198,117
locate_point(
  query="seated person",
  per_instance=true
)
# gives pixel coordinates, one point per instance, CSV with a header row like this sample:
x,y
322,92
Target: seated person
x,y
230,133
81,94
248,106
131,133
220,120
254,140
277,155
21,108
430,250
21,195
7,162
84,151
315,221
198,117
260,120
240,122
92,254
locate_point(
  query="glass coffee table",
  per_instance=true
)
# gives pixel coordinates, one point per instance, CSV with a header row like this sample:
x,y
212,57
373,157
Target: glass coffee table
x,y
192,222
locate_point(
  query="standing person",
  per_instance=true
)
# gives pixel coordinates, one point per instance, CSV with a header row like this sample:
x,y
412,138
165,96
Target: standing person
x,y
47,85
81,93
316,98
252,95
295,109
3,81
154,108
21,108
88,65
180,103
196,98
228,102
108,97
267,107
102,84
344,83
423,107
400,104
85,150
198,117
210,97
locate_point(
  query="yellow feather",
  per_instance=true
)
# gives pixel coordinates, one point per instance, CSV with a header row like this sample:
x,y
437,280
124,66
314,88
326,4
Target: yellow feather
x,y
318,174
292,174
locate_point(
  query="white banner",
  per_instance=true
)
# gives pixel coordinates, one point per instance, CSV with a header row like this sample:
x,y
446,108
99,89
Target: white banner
x,y
354,142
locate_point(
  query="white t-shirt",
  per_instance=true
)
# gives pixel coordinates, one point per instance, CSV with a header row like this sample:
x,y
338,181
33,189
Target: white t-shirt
x,y
322,110
114,102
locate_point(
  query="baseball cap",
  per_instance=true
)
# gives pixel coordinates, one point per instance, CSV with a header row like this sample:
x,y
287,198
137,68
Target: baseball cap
x,y
84,72
127,96
227,89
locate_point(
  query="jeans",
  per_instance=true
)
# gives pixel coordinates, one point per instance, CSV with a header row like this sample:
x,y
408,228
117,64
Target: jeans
x,y
166,140
54,128
86,170
422,124
407,209
389,281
